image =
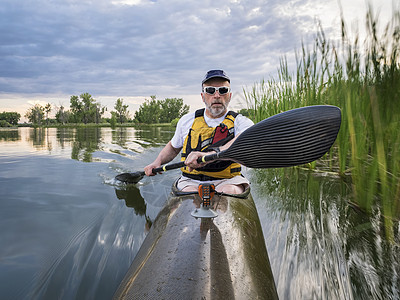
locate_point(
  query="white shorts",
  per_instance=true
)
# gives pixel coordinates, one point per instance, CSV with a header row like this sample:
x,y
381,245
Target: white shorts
x,y
184,182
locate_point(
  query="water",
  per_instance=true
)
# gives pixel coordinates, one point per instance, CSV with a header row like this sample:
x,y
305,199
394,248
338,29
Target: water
x,y
320,246
70,231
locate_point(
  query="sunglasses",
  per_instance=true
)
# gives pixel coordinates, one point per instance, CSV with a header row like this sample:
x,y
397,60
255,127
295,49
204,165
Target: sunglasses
x,y
222,90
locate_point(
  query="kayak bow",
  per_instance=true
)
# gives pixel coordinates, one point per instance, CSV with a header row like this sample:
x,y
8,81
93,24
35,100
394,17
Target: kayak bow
x,y
187,258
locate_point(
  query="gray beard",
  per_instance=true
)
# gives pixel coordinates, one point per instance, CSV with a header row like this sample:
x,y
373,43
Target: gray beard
x,y
216,112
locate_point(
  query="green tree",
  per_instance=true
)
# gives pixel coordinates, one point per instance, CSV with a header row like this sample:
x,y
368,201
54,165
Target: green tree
x,y
113,120
172,108
11,118
62,115
47,109
156,111
89,111
122,113
76,107
85,109
35,114
99,112
149,112
4,123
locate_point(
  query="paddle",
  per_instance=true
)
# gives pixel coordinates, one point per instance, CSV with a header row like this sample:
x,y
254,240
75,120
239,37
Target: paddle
x,y
291,138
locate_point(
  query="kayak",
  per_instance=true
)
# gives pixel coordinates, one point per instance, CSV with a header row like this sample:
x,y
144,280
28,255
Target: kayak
x,y
184,257
224,256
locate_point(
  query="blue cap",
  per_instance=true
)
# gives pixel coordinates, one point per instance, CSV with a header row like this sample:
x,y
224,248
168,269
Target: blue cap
x,y
215,74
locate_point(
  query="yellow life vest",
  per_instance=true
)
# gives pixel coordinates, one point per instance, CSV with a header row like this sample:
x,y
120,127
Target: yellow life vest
x,y
200,138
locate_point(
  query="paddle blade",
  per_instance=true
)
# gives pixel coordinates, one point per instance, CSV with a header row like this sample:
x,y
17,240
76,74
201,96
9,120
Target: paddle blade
x,y
291,138
130,177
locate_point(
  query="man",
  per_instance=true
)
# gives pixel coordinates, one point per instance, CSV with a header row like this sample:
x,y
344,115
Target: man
x,y
206,130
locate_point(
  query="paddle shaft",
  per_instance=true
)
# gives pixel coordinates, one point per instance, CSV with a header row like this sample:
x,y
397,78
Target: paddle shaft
x,y
181,164
137,176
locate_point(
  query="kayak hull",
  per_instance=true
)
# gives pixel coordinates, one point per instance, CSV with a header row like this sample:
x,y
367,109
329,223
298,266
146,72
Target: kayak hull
x,y
187,258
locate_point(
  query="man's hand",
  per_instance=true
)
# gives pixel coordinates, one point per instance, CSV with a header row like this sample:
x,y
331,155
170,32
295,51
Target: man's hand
x,y
149,168
191,160
166,155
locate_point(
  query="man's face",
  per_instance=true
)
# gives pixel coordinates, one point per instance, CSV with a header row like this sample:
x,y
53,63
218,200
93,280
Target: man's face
x,y
216,104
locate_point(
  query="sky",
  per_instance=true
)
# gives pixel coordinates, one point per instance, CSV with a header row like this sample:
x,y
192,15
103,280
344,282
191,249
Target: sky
x,y
132,49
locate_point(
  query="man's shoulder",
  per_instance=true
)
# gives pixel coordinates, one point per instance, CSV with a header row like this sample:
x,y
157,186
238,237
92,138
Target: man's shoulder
x,y
186,119
188,116
182,129
242,123
242,117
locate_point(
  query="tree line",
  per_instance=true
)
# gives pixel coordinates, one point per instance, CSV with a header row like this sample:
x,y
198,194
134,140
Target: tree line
x,y
8,119
160,111
85,109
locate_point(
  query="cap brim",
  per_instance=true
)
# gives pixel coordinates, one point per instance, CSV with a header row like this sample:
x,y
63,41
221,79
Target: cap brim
x,y
216,76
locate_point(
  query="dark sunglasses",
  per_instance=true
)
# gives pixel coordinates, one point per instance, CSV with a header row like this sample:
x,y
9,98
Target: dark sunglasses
x,y
222,90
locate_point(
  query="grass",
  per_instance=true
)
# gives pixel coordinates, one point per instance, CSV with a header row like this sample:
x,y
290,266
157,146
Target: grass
x,y
364,81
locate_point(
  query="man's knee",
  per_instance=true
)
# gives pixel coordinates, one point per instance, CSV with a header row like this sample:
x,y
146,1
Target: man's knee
x,y
190,188
230,189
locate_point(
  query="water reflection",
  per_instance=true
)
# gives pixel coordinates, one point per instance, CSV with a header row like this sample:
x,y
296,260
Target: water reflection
x,y
10,135
86,141
138,139
153,136
121,135
65,136
316,239
40,138
133,199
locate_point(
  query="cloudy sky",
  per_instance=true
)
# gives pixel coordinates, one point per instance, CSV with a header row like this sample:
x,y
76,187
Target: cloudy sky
x,y
131,49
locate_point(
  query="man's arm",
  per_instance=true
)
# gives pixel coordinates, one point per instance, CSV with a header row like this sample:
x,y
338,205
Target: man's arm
x,y
167,154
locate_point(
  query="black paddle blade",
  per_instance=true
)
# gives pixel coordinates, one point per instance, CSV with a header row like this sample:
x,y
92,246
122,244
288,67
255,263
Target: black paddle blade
x,y
291,138
130,177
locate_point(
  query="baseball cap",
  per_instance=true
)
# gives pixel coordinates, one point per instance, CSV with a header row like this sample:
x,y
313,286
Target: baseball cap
x,y
215,73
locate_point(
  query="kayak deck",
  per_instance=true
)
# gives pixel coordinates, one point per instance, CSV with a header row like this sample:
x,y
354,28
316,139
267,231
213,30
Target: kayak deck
x,y
187,258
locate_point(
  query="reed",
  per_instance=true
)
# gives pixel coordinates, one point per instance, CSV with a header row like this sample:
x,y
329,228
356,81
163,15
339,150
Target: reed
x,y
364,81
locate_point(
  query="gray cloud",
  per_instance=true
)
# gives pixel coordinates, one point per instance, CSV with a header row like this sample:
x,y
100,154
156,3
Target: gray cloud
x,y
154,47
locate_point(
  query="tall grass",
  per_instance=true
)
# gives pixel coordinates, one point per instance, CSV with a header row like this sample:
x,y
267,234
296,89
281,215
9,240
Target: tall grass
x,y
364,81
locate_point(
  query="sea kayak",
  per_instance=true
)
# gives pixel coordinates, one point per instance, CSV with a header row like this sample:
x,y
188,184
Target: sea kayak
x,y
184,257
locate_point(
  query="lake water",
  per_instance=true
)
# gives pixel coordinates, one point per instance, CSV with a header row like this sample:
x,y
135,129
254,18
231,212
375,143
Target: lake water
x,y
68,230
